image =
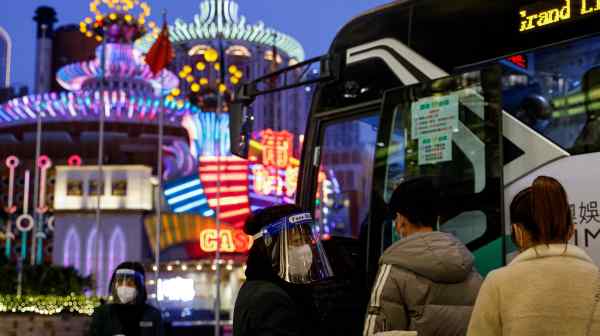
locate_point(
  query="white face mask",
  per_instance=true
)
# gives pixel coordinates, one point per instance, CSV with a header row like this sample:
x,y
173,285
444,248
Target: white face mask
x,y
300,259
126,294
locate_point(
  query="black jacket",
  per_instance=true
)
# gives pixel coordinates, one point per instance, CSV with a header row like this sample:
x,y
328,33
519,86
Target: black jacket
x,y
263,308
108,320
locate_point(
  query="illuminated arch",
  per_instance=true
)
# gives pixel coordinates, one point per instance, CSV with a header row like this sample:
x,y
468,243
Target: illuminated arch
x,y
198,49
4,35
72,249
90,260
116,249
238,50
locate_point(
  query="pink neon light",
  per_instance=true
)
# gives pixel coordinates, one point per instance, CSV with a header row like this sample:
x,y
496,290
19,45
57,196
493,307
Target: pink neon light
x,y
74,160
72,249
12,162
44,162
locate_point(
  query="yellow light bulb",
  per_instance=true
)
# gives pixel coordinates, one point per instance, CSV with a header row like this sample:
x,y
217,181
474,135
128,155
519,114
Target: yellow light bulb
x,y
82,29
128,18
89,34
98,38
187,69
203,81
211,55
239,74
88,20
217,66
200,66
234,80
180,103
222,88
176,92
182,74
99,17
195,87
190,78
233,69
112,16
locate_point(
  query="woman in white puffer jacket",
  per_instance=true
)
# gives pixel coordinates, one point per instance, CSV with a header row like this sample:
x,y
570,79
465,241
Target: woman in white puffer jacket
x,y
551,287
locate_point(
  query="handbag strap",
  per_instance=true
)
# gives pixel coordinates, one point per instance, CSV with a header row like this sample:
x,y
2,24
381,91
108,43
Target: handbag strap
x,y
595,305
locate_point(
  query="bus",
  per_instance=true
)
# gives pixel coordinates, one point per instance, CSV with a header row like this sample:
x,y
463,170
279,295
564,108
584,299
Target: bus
x,y
483,96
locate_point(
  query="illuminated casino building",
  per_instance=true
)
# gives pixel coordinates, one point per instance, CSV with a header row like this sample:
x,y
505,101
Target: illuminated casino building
x,y
219,35
202,181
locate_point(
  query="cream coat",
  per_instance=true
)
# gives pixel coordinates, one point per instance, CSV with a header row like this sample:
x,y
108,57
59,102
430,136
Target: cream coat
x,y
544,291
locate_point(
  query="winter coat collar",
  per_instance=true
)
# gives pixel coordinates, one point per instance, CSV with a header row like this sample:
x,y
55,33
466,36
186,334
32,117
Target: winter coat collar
x,y
552,250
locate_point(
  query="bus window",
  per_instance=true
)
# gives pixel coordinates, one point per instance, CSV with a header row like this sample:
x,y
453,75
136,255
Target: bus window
x,y
448,131
344,182
556,91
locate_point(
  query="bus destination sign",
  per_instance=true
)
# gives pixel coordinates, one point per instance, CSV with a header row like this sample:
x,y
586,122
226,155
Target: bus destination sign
x,y
549,13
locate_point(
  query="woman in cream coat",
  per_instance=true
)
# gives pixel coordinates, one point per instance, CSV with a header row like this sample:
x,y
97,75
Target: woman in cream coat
x,y
551,287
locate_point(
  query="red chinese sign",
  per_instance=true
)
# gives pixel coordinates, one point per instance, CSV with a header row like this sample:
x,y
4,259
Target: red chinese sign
x,y
277,171
277,148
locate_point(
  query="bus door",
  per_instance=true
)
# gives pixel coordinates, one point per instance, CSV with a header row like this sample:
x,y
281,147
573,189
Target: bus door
x,y
449,130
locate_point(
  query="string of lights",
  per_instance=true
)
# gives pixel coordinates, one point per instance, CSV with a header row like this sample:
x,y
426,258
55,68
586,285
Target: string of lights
x,y
48,304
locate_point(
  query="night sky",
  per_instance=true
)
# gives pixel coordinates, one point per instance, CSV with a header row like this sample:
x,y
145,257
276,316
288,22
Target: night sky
x,y
313,22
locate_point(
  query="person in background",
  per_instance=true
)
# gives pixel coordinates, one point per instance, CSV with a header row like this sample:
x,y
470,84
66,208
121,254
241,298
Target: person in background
x,y
284,260
127,312
426,281
551,287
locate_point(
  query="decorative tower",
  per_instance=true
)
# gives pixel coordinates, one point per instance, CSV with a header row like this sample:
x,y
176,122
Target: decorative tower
x,y
45,17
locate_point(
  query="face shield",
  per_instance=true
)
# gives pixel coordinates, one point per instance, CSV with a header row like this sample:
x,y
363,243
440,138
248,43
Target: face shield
x,y
296,252
127,286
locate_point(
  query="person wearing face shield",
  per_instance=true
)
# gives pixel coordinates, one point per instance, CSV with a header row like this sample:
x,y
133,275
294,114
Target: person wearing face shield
x,y
127,312
426,281
285,259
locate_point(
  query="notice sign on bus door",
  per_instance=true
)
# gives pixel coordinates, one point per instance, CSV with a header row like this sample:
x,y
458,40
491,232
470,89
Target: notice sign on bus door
x,y
434,119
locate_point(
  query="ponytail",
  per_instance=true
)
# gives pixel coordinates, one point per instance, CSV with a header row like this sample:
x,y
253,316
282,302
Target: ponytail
x,y
543,210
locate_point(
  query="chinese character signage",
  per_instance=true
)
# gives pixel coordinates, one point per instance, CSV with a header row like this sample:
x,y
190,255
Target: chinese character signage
x,y
274,170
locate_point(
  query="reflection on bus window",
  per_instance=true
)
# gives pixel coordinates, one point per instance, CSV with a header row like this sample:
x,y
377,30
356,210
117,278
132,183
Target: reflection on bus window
x,y
345,175
445,135
556,91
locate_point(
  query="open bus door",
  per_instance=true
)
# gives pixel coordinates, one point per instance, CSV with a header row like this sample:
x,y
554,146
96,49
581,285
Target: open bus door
x,y
449,129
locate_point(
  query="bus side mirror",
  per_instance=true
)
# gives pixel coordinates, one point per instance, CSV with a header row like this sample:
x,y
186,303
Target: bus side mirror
x,y
240,121
240,128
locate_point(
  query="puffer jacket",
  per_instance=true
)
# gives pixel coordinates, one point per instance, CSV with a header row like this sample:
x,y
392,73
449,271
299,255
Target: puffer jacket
x,y
426,283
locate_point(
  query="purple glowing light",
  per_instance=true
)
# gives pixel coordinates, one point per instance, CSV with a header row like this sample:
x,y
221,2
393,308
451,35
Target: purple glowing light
x,y
122,62
118,105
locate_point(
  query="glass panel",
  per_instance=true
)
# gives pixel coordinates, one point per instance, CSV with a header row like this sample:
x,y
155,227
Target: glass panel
x,y
345,175
556,91
119,188
74,188
448,131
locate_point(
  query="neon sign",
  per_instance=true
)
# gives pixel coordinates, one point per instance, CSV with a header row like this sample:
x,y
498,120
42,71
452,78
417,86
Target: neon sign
x,y
519,60
232,241
541,15
277,148
276,172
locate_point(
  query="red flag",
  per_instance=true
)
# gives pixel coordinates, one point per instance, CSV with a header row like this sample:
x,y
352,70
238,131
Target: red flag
x,y
161,53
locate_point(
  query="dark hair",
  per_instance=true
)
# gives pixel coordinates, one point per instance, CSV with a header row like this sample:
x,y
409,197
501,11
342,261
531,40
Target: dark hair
x,y
416,200
543,210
